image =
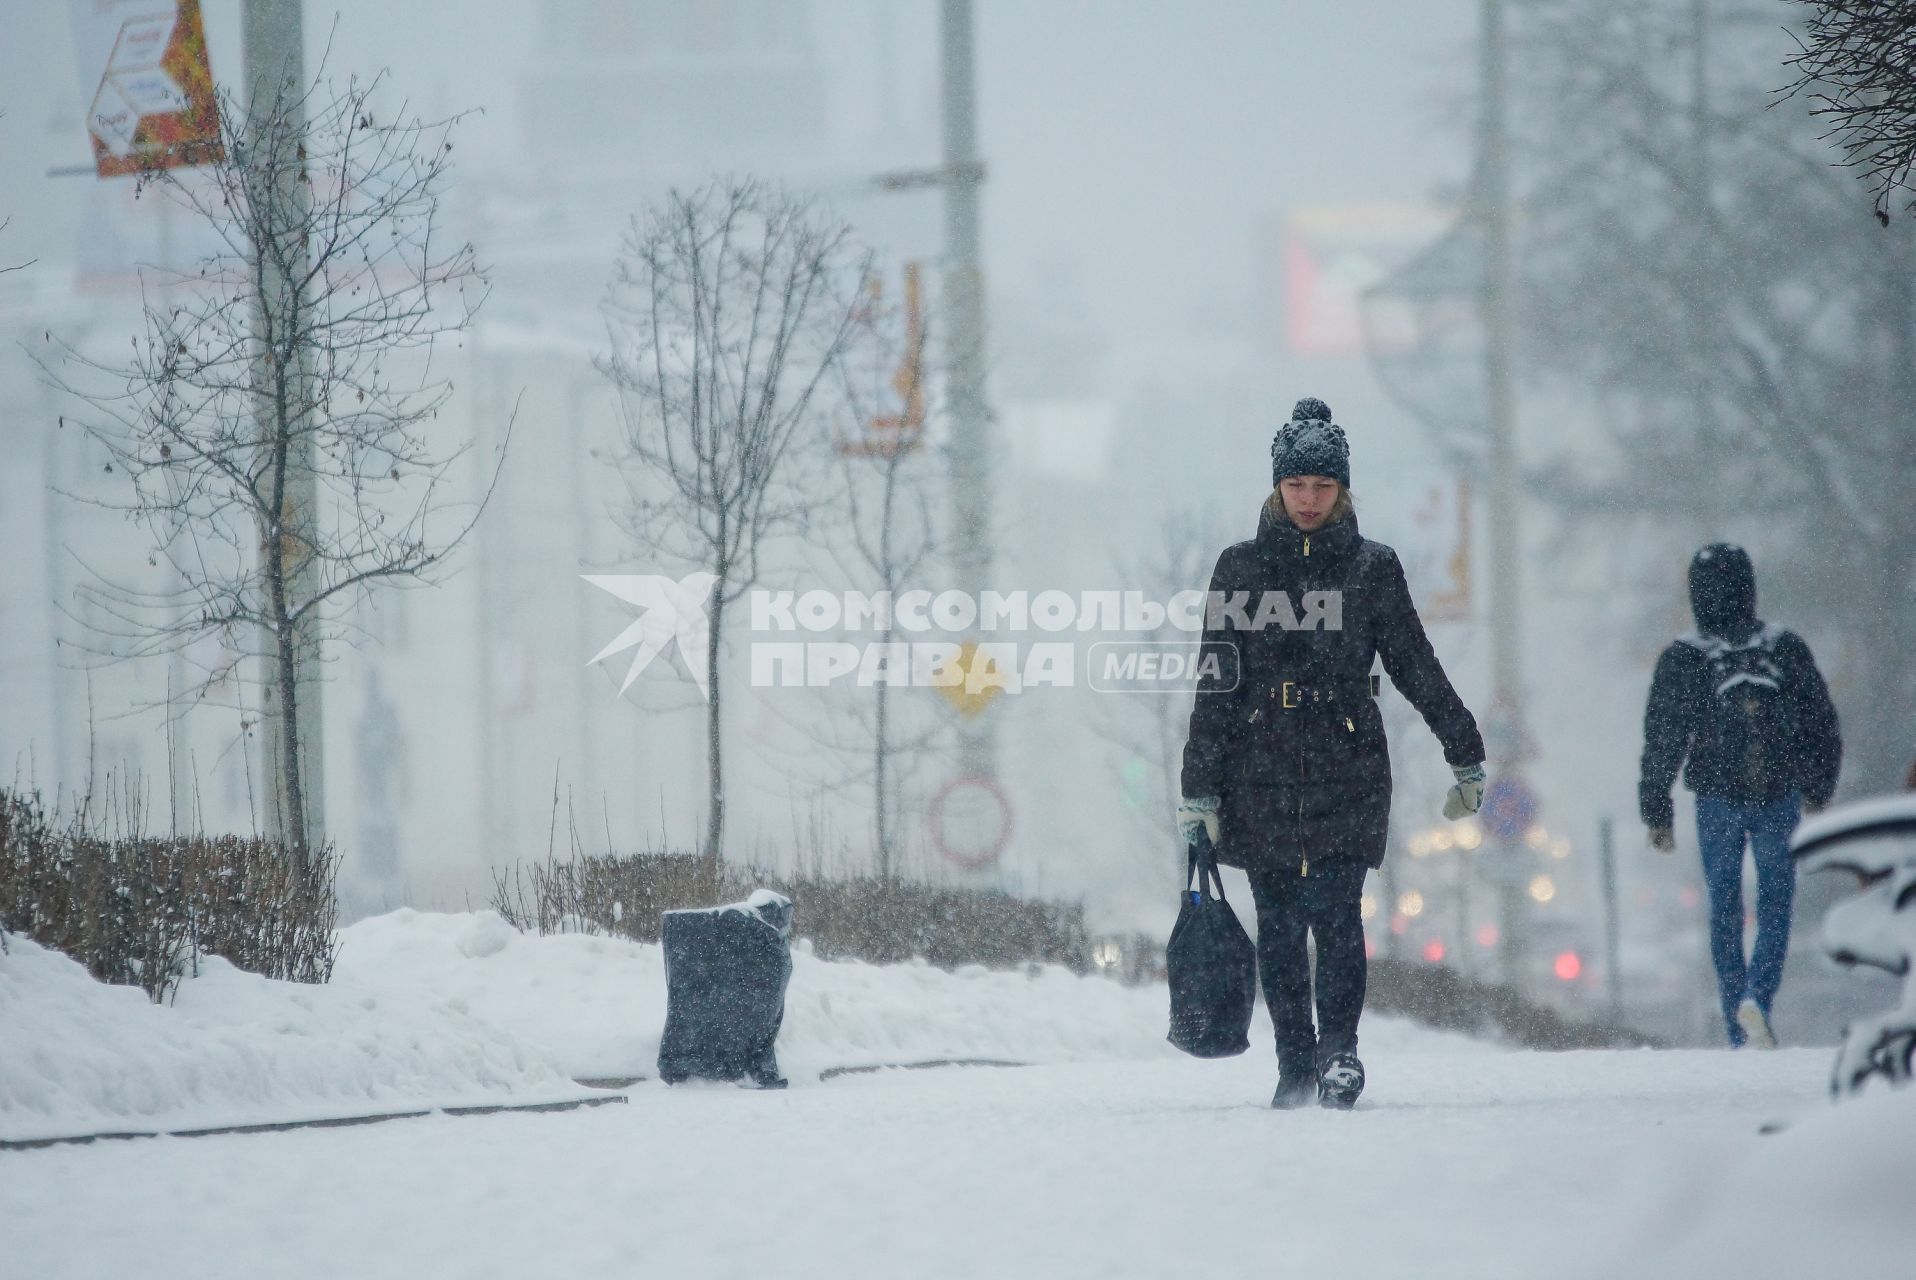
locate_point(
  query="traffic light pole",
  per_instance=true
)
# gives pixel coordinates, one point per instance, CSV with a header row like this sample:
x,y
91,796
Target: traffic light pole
x,y
970,418
960,178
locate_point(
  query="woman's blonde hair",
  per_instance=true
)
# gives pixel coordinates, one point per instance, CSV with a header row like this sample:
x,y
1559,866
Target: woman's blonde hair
x,y
1345,505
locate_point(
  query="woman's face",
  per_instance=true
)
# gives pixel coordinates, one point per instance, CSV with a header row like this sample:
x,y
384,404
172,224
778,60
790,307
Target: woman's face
x,y
1308,499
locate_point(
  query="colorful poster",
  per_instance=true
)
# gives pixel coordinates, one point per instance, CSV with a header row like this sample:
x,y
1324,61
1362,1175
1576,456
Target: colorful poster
x,y
1331,255
892,383
149,85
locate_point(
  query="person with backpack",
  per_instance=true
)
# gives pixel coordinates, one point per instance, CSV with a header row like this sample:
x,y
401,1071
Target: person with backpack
x,y
1286,768
1739,705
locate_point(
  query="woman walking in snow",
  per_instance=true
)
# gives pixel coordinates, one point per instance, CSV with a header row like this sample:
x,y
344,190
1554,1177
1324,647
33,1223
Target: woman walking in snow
x,y
1286,767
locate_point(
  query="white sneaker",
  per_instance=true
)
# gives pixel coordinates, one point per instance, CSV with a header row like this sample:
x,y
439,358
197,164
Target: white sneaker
x,y
1756,1027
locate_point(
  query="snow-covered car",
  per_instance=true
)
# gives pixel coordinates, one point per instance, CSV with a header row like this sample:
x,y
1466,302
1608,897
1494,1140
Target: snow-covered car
x,y
1874,841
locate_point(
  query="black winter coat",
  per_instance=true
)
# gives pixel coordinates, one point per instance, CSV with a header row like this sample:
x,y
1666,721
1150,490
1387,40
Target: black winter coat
x,y
1805,757
1295,748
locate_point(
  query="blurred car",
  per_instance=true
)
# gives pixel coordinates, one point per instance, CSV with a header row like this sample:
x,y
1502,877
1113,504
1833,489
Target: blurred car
x,y
1869,840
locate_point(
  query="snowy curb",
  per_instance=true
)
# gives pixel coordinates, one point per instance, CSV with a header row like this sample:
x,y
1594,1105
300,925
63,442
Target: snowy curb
x,y
326,1122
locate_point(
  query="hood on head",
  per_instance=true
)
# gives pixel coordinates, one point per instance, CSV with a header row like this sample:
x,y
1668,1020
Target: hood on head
x,y
1723,590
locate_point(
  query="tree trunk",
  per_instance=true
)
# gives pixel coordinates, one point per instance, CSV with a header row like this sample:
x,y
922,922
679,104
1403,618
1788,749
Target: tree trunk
x,y
287,795
880,751
715,781
279,252
293,812
881,747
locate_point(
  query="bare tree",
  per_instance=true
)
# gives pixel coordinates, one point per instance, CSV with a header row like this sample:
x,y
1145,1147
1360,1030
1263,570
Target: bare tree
x,y
1147,727
306,344
728,309
1857,65
889,474
880,534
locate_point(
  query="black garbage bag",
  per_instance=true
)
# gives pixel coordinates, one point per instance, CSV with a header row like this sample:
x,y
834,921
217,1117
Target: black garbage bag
x,y
726,970
1211,964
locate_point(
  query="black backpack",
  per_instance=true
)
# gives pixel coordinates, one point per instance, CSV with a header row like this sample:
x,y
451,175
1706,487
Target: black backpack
x,y
1747,723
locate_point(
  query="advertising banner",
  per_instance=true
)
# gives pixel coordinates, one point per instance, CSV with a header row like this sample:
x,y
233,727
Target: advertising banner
x,y
148,83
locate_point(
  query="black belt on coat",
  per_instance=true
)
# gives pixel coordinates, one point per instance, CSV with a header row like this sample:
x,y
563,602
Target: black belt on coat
x,y
1293,694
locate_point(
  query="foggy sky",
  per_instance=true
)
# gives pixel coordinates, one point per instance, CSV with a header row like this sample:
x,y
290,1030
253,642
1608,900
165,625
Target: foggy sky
x,y
1140,141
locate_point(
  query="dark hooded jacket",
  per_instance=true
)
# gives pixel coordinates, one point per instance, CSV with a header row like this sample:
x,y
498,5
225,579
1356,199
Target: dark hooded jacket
x,y
1804,750
1285,730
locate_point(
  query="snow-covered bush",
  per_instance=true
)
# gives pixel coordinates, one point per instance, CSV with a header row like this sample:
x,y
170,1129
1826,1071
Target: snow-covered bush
x,y
1439,996
854,918
138,909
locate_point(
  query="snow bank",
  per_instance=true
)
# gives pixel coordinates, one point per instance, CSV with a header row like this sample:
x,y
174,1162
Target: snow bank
x,y
434,1010
597,1004
79,1056
1830,1195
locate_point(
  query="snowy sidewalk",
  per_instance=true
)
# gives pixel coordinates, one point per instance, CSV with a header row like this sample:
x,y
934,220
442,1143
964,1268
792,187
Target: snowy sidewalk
x,y
1469,1165
1113,1157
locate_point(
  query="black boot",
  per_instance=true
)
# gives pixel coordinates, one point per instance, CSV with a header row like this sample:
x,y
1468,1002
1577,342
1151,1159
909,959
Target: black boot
x,y
1294,1091
1341,1080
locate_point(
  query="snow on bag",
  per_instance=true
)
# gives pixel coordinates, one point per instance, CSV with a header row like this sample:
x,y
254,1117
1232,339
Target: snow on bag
x,y
1212,965
726,971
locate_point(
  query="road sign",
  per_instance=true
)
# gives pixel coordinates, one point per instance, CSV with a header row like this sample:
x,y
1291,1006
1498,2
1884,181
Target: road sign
x,y
1510,806
971,822
966,690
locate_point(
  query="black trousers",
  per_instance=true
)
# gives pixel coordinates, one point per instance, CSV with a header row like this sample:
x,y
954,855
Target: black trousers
x,y
1324,905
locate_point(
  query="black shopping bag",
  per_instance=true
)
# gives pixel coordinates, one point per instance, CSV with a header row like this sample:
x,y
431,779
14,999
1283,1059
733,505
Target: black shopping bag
x,y
726,970
1211,963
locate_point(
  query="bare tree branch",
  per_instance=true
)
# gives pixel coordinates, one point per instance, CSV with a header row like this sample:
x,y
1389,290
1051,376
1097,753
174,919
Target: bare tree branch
x,y
18,266
1856,65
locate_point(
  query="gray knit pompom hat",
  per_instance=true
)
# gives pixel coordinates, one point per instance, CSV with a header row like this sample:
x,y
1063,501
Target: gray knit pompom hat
x,y
1310,444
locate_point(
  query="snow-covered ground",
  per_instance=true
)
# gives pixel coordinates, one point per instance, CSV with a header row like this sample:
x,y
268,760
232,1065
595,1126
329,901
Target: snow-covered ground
x,y
1113,1157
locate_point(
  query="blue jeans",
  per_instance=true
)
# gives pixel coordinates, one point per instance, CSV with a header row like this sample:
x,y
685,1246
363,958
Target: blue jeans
x,y
1722,826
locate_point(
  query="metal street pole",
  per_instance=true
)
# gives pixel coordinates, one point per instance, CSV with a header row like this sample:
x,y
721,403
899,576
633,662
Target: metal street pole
x,y
274,75
1612,931
1505,563
965,316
